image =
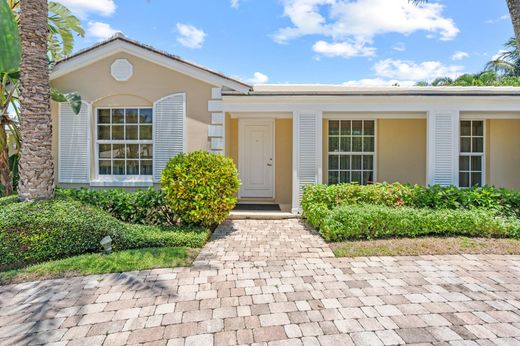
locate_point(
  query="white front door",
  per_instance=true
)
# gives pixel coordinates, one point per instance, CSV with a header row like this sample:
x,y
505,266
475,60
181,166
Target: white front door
x,y
256,160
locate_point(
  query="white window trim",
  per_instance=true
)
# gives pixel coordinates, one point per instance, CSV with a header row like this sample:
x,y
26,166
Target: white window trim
x,y
484,151
118,180
374,153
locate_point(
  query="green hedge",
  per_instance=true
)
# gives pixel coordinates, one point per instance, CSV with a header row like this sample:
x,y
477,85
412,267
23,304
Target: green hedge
x,y
141,207
33,232
505,202
364,221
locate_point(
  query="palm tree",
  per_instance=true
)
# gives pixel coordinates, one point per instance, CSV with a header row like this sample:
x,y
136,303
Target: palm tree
x,y
507,63
514,11
36,163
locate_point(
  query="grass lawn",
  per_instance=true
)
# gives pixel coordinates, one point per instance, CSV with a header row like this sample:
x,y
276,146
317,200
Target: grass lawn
x,y
426,246
121,261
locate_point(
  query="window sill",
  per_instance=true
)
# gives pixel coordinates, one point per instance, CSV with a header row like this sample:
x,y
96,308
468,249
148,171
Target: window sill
x,y
128,183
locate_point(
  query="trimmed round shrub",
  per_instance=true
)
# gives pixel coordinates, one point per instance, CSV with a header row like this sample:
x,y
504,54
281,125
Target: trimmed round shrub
x,y
32,232
200,187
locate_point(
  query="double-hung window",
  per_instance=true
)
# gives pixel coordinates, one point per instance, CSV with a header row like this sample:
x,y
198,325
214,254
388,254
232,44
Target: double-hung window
x,y
351,151
124,142
471,159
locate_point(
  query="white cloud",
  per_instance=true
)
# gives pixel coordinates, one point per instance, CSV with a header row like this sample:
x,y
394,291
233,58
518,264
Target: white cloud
x,y
258,78
342,49
190,36
498,54
496,20
399,46
459,55
379,82
82,8
410,70
235,3
359,21
100,30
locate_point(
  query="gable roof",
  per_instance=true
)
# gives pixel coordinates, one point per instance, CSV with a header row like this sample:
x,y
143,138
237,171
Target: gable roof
x,y
121,43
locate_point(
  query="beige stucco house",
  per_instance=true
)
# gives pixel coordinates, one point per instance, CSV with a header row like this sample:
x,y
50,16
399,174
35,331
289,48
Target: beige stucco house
x,y
142,106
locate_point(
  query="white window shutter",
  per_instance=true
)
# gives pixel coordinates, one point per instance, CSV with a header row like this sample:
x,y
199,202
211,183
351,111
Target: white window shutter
x,y
307,153
74,144
443,148
169,114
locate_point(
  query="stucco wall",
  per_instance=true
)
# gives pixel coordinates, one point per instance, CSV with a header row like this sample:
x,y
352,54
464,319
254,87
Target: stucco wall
x,y
149,83
503,155
401,150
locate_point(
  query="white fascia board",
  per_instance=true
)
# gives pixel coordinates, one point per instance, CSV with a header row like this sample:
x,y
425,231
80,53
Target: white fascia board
x,y
371,104
118,46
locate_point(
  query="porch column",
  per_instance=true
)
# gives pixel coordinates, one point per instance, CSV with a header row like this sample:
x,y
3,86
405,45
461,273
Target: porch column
x,y
307,153
443,147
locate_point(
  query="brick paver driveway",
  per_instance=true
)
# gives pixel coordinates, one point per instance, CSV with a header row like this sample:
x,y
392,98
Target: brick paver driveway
x,y
275,282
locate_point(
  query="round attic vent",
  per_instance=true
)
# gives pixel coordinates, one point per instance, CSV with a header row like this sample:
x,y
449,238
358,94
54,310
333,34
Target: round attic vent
x,y
121,70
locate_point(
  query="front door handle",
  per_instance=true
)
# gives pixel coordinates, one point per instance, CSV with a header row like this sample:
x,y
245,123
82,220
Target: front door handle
x,y
270,163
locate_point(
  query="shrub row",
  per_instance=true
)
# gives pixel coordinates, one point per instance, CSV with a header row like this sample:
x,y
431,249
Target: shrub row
x,y
364,221
503,201
141,207
33,232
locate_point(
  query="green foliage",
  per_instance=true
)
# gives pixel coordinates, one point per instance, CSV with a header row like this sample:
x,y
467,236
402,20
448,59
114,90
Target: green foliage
x,y
10,51
32,232
141,207
365,221
200,187
62,27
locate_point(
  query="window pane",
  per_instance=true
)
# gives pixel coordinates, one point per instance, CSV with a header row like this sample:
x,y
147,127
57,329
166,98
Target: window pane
x,y
119,151
131,132
357,144
368,162
345,162
465,128
146,167
334,127
464,179
464,163
333,162
345,144
132,116
356,162
105,167
478,145
333,144
145,115
476,179
119,167
357,127
368,144
356,177
118,132
344,177
132,151
132,167
145,132
369,127
345,128
105,151
104,132
478,128
118,116
333,177
368,177
465,145
146,151
103,116
476,163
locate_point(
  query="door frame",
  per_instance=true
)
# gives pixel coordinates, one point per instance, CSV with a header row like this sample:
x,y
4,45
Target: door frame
x,y
242,123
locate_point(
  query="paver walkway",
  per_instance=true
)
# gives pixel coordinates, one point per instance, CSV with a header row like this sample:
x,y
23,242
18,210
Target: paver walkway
x,y
275,282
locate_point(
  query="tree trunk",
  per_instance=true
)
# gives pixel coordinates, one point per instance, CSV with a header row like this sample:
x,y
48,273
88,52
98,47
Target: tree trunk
x,y
5,170
36,165
514,11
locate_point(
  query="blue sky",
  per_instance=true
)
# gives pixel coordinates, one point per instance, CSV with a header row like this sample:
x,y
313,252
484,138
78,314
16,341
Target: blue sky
x,y
370,42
